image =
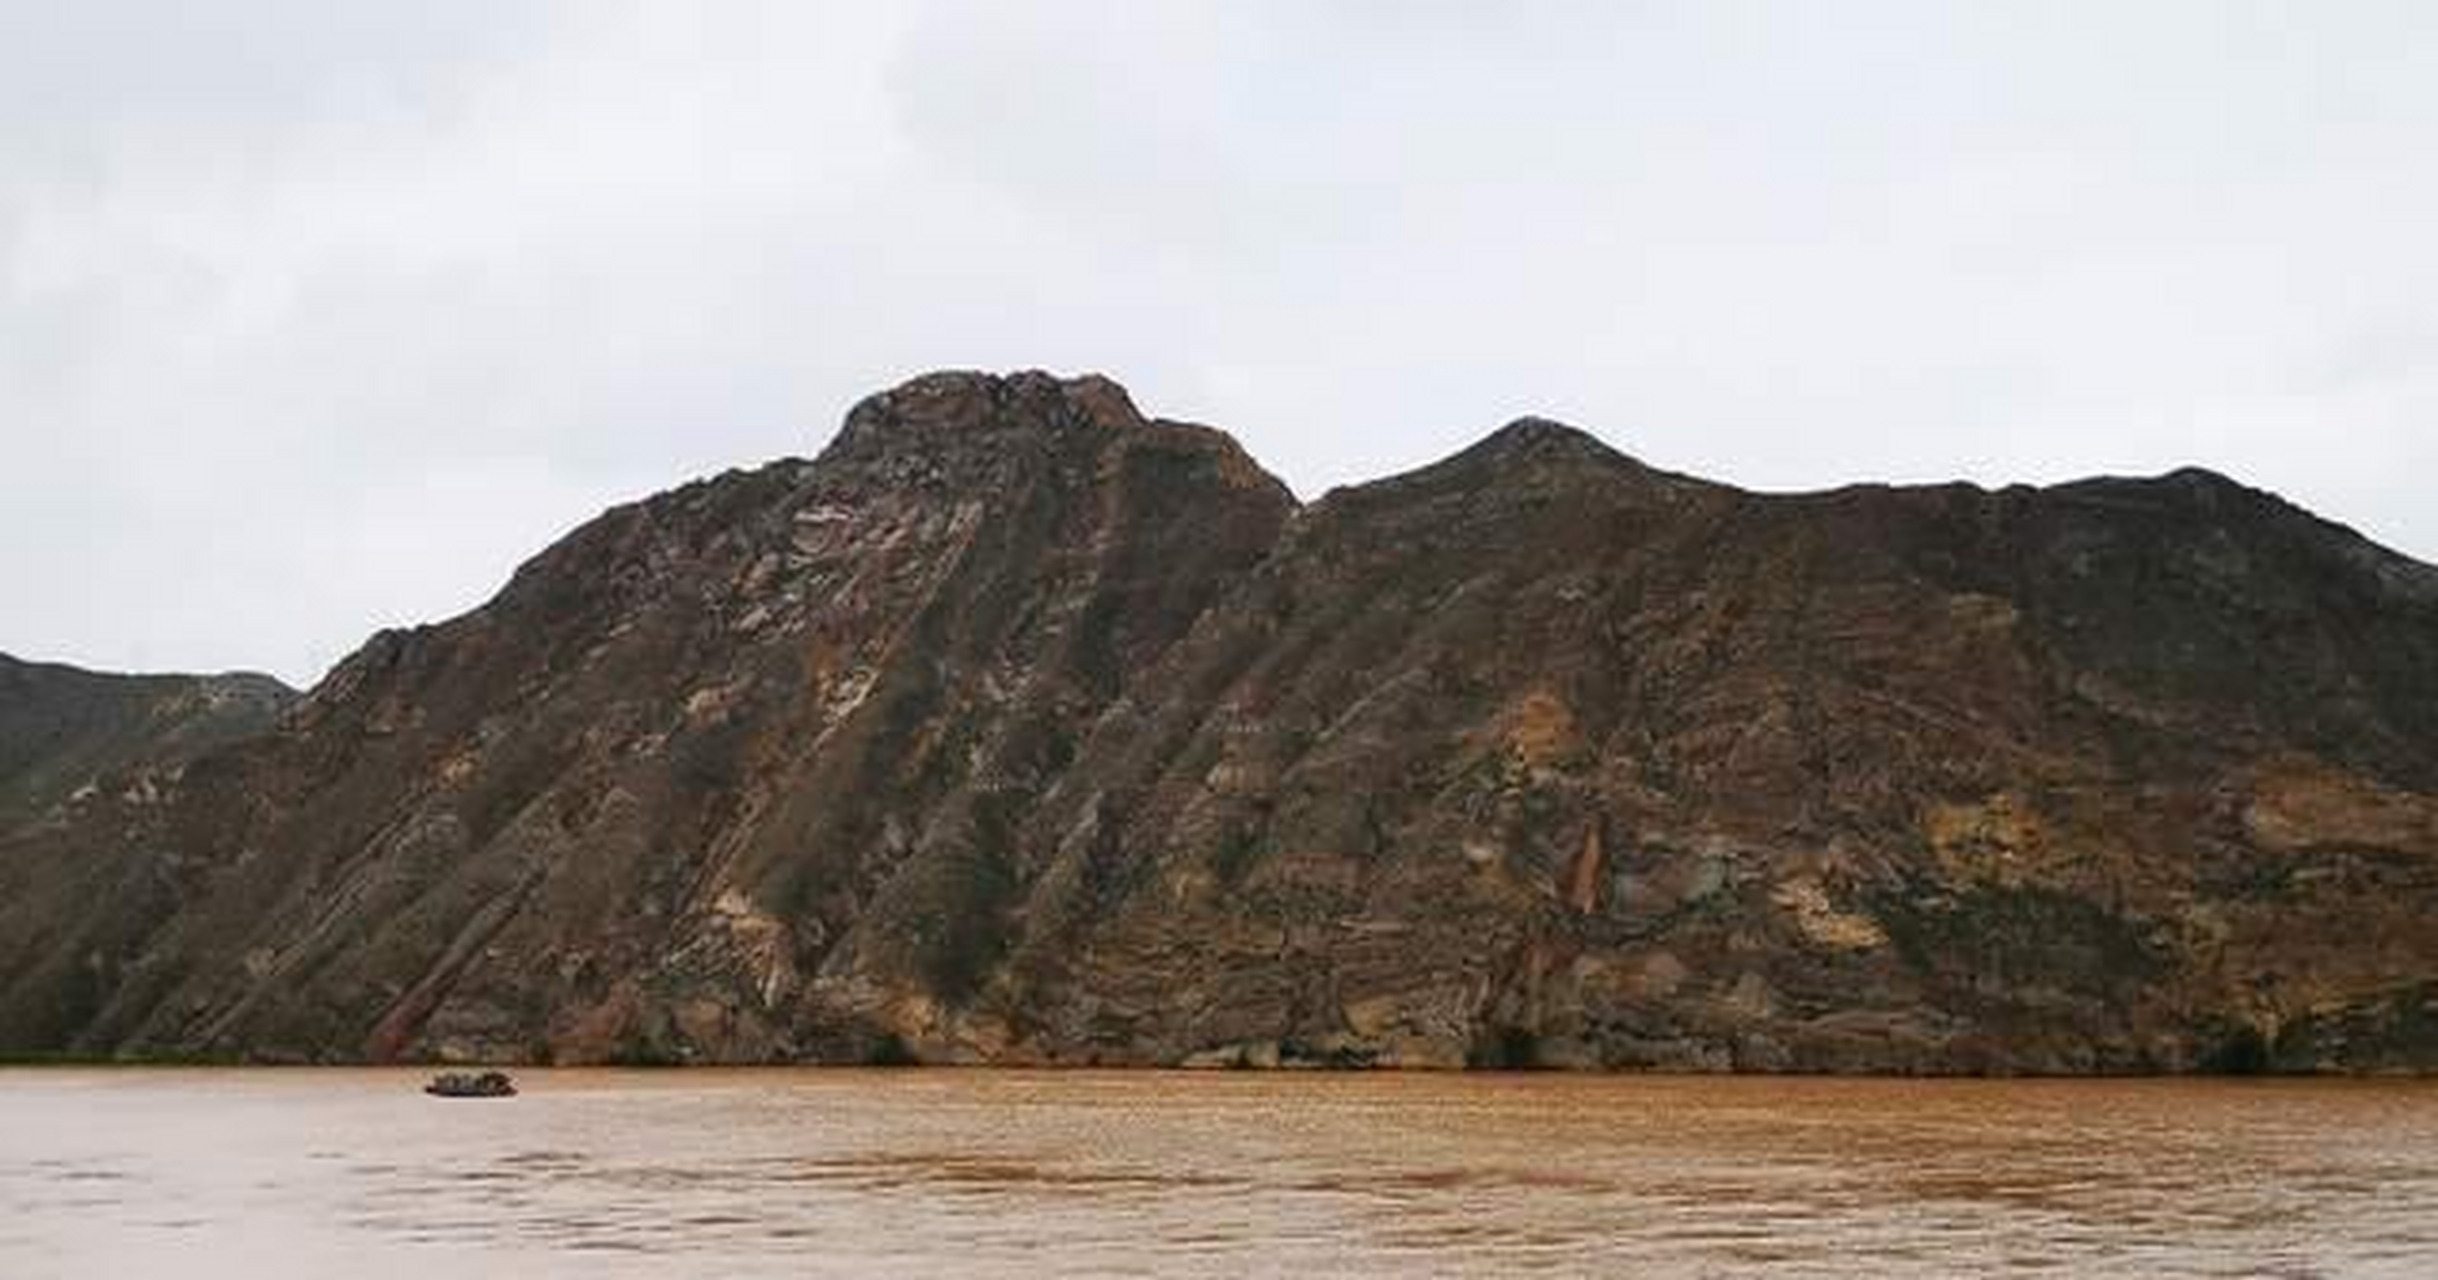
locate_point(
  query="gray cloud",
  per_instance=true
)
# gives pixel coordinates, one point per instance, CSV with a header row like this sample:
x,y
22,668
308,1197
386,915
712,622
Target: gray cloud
x,y
318,317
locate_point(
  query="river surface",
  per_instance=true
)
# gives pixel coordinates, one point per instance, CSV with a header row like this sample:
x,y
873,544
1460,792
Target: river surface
x,y
137,1172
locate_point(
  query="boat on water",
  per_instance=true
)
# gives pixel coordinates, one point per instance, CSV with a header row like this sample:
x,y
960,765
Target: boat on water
x,y
471,1084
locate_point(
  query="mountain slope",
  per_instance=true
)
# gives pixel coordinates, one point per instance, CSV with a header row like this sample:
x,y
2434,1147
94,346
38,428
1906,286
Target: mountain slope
x,y
62,728
1018,727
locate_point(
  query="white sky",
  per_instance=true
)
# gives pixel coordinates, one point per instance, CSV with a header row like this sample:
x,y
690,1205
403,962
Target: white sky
x,y
320,316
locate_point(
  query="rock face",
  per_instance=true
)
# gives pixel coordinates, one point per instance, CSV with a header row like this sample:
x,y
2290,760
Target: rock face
x,y
64,729
1020,728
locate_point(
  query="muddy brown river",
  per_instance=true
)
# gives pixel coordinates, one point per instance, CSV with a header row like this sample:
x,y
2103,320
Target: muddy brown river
x,y
355,1174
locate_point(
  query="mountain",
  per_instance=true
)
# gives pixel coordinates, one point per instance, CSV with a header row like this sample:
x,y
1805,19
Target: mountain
x,y
62,728
697,771
1018,727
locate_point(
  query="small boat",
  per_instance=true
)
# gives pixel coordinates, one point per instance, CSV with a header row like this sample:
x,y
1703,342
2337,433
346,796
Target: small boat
x,y
468,1084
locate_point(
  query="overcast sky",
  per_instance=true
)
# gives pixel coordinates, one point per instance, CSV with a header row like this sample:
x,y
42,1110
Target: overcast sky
x,y
318,316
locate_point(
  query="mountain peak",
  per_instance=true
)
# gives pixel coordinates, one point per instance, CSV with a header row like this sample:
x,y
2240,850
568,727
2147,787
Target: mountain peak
x,y
1533,436
968,428
946,407
1534,447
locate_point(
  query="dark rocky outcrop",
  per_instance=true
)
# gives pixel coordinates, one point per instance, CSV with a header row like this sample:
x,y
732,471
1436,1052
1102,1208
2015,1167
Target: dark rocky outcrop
x,y
1020,728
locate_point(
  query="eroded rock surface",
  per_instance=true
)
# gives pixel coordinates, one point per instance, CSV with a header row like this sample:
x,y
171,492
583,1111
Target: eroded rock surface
x,y
1020,728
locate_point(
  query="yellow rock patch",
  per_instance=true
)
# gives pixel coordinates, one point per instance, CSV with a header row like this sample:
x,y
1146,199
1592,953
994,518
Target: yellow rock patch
x,y
2299,806
1541,731
1822,923
1995,839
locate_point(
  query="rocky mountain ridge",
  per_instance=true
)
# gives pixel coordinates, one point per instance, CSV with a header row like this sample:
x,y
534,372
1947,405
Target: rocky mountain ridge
x,y
1018,727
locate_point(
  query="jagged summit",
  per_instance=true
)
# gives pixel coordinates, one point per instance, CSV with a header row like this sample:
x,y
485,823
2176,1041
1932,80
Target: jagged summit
x,y
957,407
968,431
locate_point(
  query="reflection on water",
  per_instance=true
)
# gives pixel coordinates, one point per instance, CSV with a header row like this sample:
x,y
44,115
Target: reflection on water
x,y
303,1173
